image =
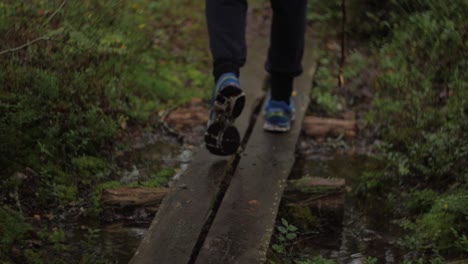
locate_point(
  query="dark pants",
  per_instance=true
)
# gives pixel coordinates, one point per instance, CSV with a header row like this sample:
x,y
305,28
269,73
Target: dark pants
x,y
226,26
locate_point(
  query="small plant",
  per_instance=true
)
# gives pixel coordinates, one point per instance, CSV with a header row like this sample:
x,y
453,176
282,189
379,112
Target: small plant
x,y
315,260
287,233
370,260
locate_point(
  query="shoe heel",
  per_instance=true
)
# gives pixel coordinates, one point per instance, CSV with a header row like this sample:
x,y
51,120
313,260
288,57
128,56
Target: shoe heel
x,y
230,102
221,140
238,106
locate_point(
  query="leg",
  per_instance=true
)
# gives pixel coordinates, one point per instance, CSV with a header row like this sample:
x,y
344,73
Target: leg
x,y
286,46
226,21
226,27
284,61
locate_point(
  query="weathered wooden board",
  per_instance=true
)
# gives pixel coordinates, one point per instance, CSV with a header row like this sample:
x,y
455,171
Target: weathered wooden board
x,y
182,214
244,223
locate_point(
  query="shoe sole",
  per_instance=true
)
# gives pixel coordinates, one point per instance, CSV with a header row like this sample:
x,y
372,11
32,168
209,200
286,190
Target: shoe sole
x,y
229,103
222,140
221,137
274,128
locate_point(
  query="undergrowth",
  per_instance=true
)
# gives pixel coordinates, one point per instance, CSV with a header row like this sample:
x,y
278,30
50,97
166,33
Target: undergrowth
x,y
74,75
419,108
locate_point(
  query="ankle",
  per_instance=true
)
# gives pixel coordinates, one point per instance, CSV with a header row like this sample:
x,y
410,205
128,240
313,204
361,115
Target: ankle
x,y
220,69
281,87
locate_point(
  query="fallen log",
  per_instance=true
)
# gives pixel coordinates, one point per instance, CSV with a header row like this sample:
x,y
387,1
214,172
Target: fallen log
x,y
322,127
124,197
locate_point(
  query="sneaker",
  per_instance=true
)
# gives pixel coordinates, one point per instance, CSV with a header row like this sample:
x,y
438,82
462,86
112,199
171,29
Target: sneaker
x,y
227,103
278,116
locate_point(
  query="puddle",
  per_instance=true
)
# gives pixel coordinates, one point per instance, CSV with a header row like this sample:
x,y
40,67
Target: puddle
x,y
114,243
339,226
116,240
145,162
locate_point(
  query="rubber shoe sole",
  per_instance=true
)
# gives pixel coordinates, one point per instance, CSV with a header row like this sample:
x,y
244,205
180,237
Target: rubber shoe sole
x,y
275,128
221,137
221,140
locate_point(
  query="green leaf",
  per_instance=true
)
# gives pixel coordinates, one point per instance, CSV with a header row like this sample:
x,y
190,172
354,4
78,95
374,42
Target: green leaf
x,y
292,228
291,236
282,230
281,238
284,222
278,248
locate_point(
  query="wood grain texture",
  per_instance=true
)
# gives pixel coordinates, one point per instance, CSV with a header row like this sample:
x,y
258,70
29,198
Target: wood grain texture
x,y
175,230
245,221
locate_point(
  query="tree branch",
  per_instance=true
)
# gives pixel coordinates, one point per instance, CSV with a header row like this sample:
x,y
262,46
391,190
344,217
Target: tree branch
x,y
46,37
55,13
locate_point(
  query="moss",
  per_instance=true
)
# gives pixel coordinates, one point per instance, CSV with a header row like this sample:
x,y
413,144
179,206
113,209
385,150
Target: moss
x,y
303,217
160,178
89,168
96,195
66,193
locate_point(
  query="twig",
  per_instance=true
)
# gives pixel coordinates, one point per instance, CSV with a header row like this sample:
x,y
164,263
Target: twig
x,y
314,198
343,38
55,13
18,201
171,131
46,37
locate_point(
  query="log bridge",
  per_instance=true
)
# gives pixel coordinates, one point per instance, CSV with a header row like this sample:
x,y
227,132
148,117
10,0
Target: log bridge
x,y
223,209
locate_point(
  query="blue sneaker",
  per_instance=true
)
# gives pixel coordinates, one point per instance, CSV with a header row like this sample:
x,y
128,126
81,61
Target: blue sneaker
x,y
227,103
278,116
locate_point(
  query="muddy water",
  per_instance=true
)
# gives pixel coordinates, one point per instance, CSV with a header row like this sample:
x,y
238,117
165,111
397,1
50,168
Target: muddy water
x,y
336,226
339,226
116,240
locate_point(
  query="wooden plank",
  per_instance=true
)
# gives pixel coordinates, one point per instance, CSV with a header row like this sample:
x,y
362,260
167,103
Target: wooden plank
x,y
175,230
245,221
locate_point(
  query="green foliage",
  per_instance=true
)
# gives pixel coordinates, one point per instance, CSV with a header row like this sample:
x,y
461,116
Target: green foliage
x,y
159,179
420,107
420,201
55,237
325,83
97,194
325,94
100,65
365,19
13,230
441,226
315,260
89,169
90,255
96,67
15,237
286,234
370,260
